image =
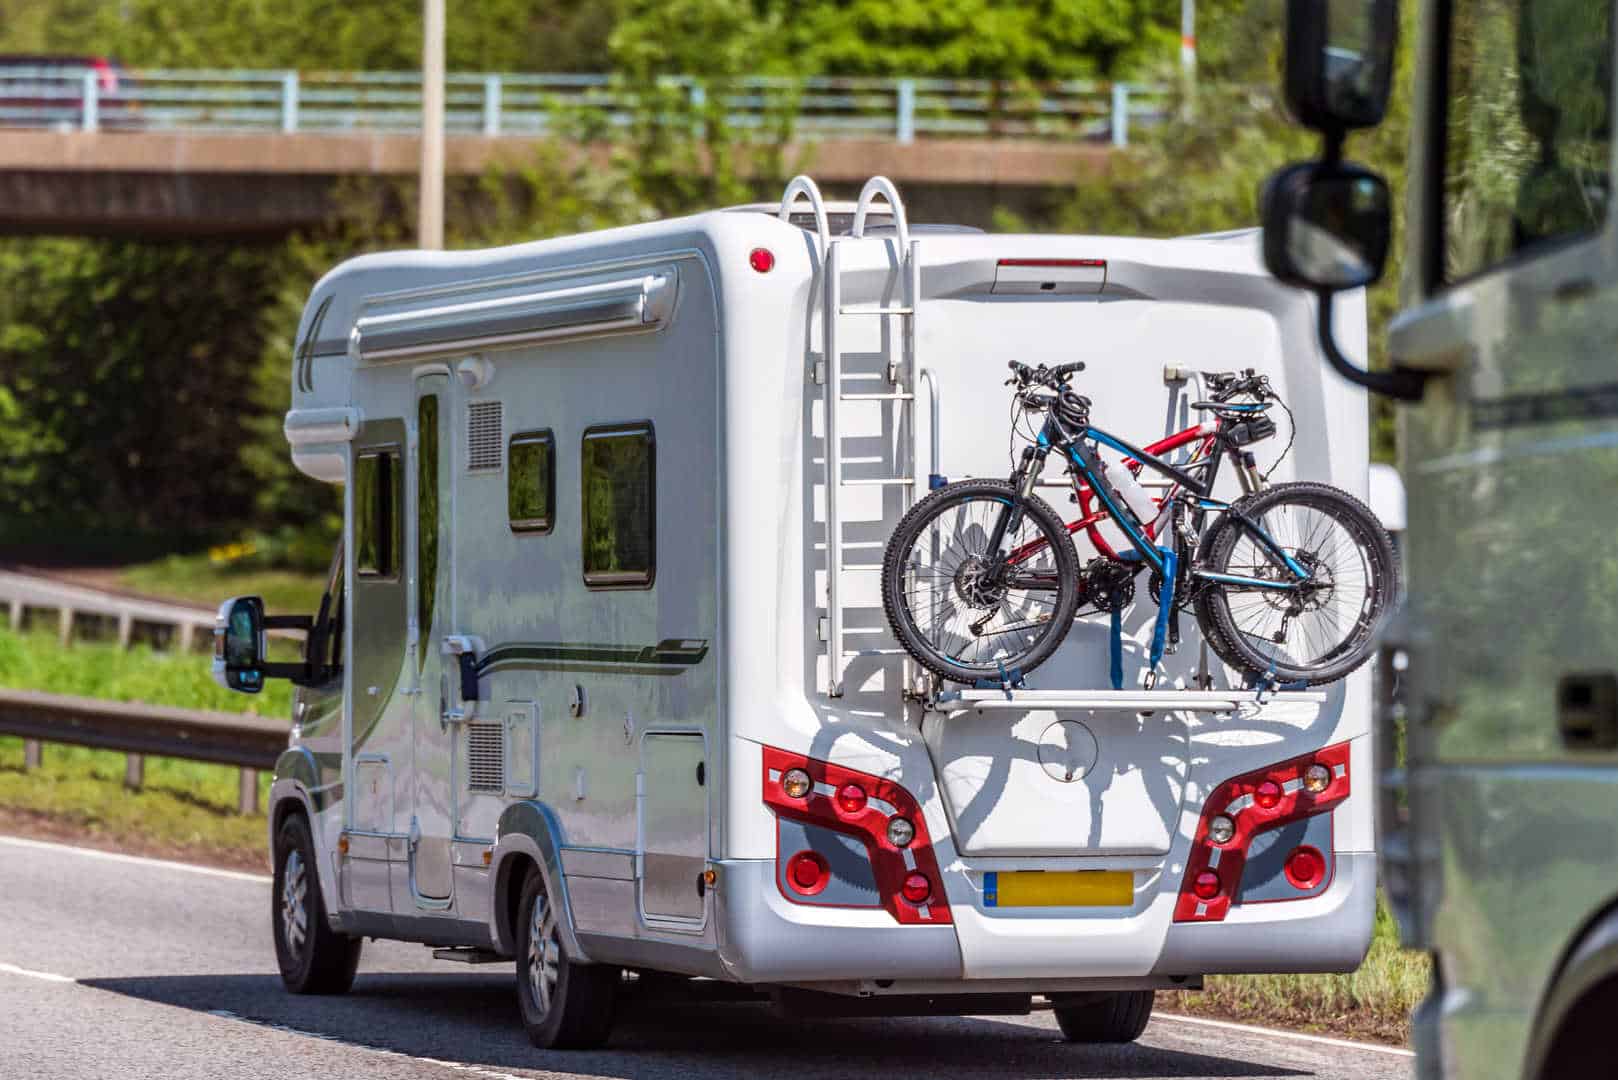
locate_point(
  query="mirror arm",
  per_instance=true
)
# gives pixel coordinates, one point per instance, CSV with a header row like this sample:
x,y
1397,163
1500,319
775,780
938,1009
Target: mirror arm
x,y
283,671
289,622
1402,383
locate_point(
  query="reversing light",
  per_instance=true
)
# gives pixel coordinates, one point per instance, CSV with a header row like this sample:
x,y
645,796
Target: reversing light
x,y
900,832
1305,867
761,259
1206,885
1267,795
1221,829
1316,778
807,872
851,798
796,783
916,888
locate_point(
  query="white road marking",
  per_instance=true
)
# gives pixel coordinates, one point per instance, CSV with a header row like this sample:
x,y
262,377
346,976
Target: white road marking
x,y
46,976
456,1066
136,860
1276,1033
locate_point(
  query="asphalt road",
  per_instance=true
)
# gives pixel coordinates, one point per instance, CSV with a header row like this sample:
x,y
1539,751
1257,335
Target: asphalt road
x,y
113,967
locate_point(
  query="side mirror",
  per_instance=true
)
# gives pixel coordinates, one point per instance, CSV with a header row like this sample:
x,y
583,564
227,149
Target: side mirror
x,y
238,645
1327,226
1339,62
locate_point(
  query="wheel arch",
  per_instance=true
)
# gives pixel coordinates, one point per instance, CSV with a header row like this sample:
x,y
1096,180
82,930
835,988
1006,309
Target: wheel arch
x,y
290,793
1574,1021
528,834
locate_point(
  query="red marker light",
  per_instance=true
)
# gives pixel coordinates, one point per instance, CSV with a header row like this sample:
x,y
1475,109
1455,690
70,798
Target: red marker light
x,y
1267,795
761,259
1206,885
1305,867
851,798
916,888
807,872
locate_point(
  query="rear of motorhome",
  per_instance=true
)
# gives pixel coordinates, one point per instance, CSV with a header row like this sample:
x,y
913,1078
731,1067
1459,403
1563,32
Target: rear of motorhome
x,y
602,682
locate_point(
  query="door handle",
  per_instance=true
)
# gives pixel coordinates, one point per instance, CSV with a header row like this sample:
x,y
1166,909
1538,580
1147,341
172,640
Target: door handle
x,y
1587,711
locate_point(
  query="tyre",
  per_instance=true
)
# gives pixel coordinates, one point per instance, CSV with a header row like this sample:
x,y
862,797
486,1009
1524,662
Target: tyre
x,y
1115,1018
946,610
1315,636
565,1005
314,958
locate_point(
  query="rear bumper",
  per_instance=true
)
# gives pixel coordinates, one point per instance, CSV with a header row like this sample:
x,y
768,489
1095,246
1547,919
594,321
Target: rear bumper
x,y
1327,933
765,939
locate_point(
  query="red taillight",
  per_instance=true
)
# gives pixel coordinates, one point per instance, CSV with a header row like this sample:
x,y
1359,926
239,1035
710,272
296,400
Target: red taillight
x,y
807,872
851,798
1252,803
1305,867
761,259
878,813
917,888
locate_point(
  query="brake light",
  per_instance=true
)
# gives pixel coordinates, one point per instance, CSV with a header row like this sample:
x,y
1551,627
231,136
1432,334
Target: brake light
x,y
1247,805
761,259
807,872
870,809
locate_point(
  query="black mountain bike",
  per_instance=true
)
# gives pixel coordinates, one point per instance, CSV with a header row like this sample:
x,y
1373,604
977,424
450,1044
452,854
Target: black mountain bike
x,y
1289,583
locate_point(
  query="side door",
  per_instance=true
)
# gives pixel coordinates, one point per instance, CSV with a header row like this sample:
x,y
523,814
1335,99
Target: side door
x,y
1509,461
432,793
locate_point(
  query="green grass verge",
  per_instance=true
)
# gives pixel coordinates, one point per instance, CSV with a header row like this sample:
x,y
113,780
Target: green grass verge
x,y
1373,1002
185,809
196,579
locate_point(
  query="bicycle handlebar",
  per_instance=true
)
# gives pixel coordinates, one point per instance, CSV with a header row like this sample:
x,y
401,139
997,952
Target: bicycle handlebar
x,y
1224,385
1052,377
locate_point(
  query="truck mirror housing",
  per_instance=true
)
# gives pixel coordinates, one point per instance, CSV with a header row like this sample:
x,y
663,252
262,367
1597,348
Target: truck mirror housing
x,y
1339,62
1327,226
238,654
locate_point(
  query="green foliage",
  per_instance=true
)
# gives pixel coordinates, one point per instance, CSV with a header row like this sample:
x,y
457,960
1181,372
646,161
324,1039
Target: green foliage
x,y
313,35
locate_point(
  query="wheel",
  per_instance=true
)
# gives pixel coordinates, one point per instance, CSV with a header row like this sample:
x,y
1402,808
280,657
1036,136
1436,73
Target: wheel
x,y
1321,633
950,613
314,958
1115,1018
565,1005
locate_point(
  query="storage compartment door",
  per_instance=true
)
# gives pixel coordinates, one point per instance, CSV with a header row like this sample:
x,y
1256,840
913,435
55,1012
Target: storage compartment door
x,y
673,825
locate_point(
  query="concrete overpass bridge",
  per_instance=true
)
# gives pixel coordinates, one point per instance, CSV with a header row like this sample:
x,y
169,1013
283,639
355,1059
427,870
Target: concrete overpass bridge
x,y
261,153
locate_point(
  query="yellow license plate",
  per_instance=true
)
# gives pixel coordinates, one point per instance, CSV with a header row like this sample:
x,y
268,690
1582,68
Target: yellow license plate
x,y
1059,888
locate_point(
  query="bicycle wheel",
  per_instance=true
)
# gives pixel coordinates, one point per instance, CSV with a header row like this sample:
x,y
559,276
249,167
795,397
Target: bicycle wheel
x,y
949,613
1318,634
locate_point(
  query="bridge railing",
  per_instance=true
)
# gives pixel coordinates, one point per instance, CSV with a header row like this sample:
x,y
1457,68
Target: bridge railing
x,y
491,104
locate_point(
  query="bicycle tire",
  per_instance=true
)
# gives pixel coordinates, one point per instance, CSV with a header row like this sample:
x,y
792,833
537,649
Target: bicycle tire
x,y
1238,646
896,597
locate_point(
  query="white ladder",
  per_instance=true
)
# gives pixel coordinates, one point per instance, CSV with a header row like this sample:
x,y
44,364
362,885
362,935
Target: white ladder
x,y
829,373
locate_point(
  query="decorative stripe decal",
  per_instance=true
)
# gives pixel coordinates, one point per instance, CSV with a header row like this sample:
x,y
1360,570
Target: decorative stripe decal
x,y
668,657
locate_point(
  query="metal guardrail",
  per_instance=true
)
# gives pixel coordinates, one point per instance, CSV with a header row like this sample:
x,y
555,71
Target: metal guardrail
x,y
491,104
22,592
250,742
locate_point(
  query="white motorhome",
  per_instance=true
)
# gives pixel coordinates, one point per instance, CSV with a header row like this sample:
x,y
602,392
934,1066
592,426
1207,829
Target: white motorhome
x,y
602,681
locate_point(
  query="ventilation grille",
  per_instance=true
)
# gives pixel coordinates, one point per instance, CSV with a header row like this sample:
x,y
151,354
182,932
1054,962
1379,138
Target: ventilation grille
x,y
486,757
485,435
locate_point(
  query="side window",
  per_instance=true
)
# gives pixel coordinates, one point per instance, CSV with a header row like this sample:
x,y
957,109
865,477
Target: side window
x,y
377,498
330,625
531,482
619,497
1528,136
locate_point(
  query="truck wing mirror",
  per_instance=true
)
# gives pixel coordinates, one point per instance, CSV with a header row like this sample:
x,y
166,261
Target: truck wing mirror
x,y
1327,227
1339,62
238,649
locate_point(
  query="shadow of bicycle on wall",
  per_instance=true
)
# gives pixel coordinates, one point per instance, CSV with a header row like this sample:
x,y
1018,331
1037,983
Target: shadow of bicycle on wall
x,y
472,1019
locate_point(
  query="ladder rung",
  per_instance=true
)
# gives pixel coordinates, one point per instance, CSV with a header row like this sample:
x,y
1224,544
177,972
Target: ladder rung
x,y
859,566
858,545
896,481
876,311
877,397
873,652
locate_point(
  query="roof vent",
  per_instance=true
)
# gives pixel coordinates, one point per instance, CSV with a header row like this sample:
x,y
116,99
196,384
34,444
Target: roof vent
x,y
485,436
